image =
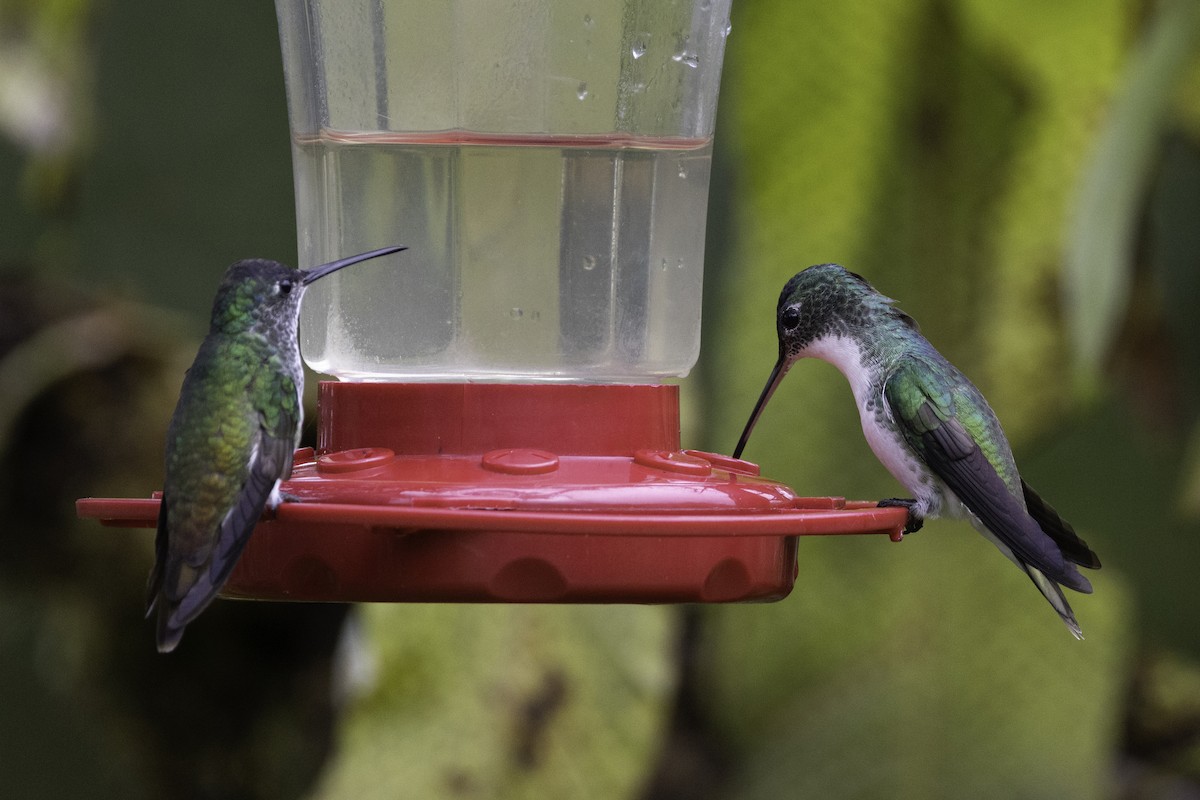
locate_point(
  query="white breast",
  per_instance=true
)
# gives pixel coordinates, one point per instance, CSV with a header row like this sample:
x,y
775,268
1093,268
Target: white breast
x,y
845,354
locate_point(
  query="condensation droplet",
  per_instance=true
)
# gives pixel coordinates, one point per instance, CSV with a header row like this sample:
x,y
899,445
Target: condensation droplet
x,y
663,266
588,21
516,313
684,57
682,170
638,50
582,91
589,263
728,29
679,263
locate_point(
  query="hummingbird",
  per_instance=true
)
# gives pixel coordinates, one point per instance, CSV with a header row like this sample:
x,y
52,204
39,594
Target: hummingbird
x,y
927,424
232,435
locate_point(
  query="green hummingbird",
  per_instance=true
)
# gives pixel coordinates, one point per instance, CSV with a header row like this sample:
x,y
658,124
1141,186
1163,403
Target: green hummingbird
x,y
231,439
927,423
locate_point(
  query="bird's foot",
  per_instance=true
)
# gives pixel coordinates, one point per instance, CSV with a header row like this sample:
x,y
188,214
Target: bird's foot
x,y
915,522
276,500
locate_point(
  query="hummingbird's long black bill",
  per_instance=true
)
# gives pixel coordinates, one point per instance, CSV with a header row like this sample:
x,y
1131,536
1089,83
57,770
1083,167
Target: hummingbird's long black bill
x,y
317,273
777,373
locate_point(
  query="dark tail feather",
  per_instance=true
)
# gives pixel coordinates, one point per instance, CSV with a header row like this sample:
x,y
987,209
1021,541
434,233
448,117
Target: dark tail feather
x,y
168,635
1052,593
1073,548
154,584
191,592
1072,579
169,627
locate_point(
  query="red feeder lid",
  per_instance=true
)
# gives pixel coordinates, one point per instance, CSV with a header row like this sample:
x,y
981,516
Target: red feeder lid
x,y
521,493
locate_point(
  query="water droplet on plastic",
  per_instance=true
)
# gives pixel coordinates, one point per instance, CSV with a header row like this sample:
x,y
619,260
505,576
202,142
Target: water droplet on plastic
x,y
684,57
588,21
638,50
682,170
728,29
589,263
663,266
582,91
679,263
516,313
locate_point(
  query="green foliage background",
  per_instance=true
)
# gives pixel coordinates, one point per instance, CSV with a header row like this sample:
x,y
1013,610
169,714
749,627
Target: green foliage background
x,y
1023,176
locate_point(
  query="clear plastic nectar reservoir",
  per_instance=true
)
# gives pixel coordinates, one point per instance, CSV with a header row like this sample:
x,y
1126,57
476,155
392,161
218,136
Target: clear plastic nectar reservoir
x,y
546,162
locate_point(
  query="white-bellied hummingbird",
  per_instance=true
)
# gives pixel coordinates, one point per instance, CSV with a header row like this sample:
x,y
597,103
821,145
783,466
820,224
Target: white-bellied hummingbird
x,y
231,439
927,423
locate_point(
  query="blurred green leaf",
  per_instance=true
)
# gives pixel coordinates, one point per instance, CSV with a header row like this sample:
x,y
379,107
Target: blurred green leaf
x,y
943,680
504,701
1099,256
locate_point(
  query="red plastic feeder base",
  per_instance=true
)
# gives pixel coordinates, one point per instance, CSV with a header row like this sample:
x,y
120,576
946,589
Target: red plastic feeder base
x,y
521,493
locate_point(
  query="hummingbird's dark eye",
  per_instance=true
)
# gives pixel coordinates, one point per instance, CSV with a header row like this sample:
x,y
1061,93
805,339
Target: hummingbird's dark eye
x,y
790,318
285,286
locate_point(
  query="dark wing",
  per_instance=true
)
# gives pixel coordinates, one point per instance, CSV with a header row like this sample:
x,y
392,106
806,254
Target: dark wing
x,y
161,542
270,461
187,584
234,532
928,419
204,580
